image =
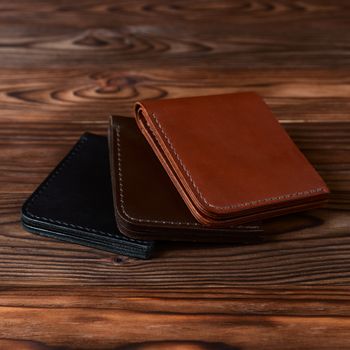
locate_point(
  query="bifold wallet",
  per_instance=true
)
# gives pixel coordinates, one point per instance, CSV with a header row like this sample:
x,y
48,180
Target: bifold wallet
x,y
147,205
229,158
75,202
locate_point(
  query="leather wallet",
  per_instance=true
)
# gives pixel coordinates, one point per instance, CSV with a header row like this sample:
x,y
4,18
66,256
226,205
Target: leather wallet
x,y
147,205
75,203
229,158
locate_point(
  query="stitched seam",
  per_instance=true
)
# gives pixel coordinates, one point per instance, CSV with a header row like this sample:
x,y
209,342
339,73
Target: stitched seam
x,y
237,205
45,185
122,186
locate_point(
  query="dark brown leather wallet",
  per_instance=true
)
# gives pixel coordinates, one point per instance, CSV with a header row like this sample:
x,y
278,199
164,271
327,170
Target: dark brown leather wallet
x,y
229,158
147,205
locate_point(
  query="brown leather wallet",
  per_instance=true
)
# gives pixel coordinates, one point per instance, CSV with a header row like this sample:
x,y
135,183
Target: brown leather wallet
x,y
147,205
229,158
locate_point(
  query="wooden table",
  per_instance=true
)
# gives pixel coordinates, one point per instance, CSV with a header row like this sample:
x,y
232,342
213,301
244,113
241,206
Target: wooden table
x,y
66,65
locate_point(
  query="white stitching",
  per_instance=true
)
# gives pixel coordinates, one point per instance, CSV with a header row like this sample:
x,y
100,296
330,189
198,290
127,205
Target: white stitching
x,y
233,206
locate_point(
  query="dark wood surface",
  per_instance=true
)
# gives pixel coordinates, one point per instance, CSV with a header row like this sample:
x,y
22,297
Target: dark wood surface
x,y
65,66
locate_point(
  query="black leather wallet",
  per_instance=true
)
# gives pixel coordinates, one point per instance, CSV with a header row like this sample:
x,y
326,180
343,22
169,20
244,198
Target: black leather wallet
x,y
75,202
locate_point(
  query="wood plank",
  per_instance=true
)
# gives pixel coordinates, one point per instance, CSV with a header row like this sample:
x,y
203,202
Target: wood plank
x,y
181,330
254,318
84,96
235,34
282,300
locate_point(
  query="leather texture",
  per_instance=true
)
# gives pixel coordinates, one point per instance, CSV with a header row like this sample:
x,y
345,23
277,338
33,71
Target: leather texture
x,y
147,204
229,158
75,202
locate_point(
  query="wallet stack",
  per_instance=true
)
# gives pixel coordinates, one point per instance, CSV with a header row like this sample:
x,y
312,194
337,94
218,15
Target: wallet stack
x,y
202,169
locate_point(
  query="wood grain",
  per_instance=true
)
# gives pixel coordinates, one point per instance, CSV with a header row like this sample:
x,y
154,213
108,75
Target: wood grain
x,y
79,96
65,66
230,34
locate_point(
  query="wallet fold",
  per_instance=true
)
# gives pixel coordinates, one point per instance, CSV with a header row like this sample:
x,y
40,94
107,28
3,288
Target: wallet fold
x,y
229,158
